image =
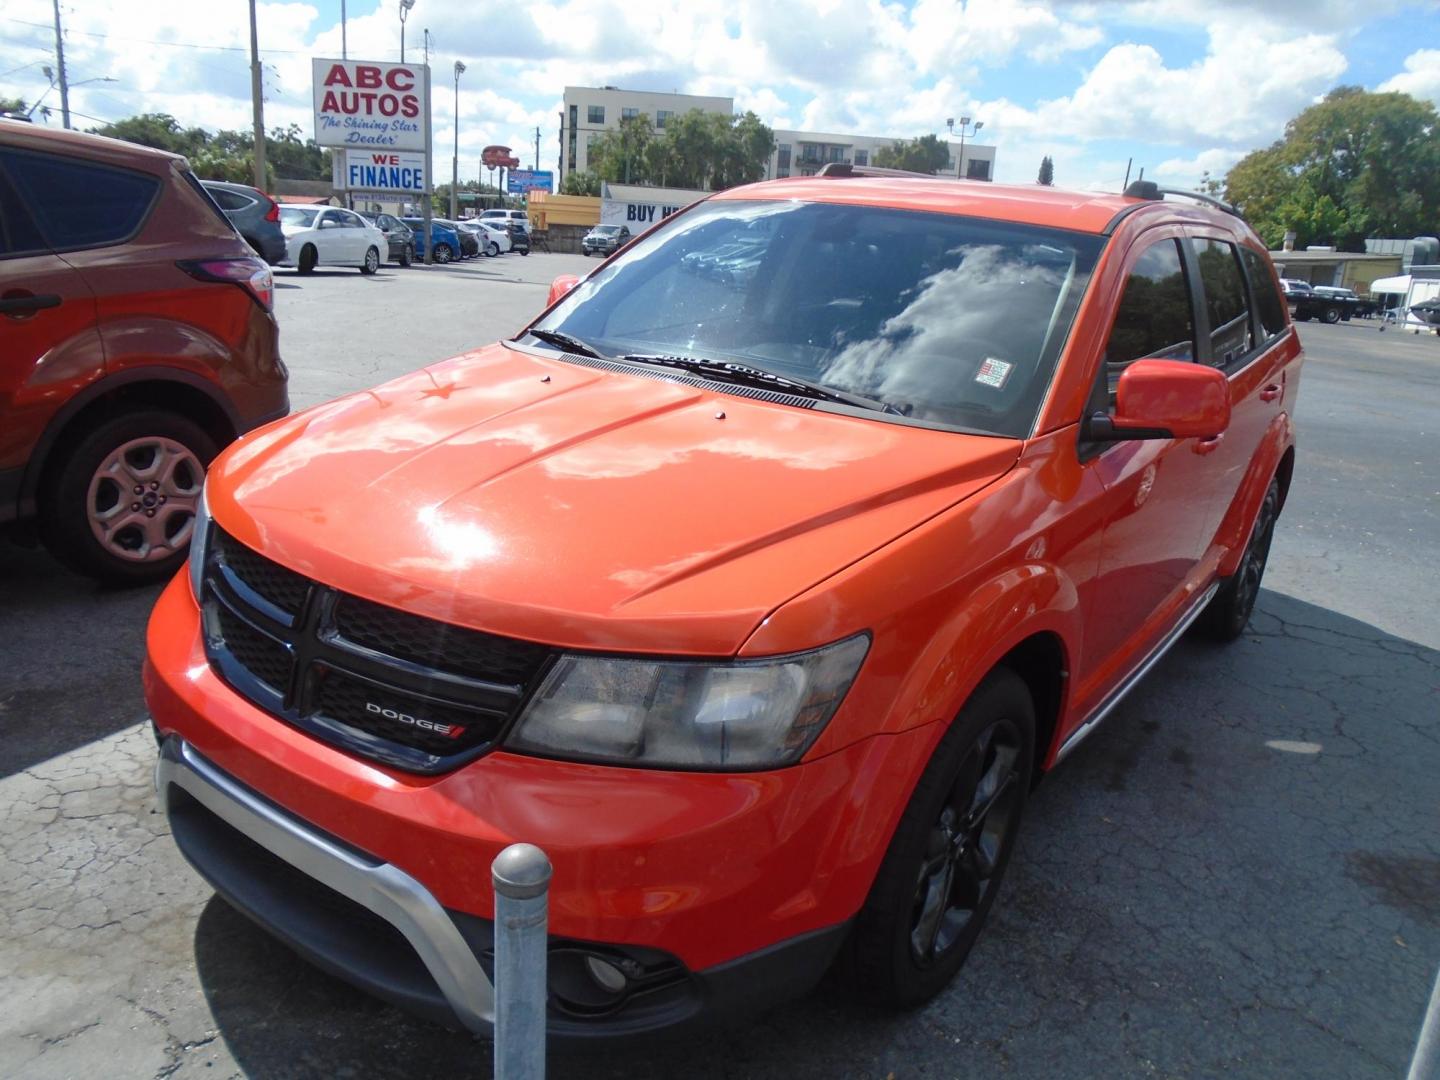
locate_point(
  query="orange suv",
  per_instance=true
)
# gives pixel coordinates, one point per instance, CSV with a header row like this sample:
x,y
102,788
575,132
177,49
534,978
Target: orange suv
x,y
136,339
756,581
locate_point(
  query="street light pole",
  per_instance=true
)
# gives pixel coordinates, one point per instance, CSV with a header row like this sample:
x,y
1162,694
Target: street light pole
x,y
257,103
455,161
344,50
964,123
405,6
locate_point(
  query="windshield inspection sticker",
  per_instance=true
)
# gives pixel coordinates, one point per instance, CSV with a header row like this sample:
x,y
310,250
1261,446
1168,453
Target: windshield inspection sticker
x,y
993,372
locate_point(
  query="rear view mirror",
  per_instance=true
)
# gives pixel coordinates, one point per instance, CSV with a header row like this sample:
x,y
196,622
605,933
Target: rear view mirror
x,y
562,285
1166,399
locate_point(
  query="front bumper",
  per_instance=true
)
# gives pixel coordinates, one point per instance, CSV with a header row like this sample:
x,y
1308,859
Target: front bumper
x,y
375,926
710,873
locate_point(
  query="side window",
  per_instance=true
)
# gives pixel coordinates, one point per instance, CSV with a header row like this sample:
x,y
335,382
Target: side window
x,y
78,204
229,200
1268,304
1225,301
328,218
1155,318
18,235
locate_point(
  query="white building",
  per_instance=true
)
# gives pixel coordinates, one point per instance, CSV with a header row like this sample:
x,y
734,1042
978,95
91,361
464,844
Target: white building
x,y
804,153
590,111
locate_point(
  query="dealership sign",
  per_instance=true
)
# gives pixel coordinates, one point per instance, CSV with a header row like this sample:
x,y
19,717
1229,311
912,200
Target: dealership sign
x,y
360,104
381,171
633,214
521,180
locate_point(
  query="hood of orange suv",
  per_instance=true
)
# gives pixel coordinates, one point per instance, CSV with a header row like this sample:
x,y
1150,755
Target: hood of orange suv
x,y
539,499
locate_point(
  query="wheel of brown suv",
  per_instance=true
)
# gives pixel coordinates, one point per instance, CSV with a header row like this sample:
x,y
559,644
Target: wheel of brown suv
x,y
121,506
944,865
1230,608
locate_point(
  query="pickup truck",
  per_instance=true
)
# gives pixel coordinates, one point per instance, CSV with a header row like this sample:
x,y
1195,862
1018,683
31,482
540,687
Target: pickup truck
x,y
1323,302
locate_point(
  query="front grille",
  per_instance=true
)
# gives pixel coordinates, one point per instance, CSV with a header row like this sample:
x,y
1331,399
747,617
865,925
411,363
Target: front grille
x,y
412,692
259,654
284,588
426,641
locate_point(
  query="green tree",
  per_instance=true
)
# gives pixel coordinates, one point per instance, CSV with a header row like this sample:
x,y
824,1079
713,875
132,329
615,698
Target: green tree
x,y
619,154
1047,172
1356,165
700,150
926,154
581,183
160,130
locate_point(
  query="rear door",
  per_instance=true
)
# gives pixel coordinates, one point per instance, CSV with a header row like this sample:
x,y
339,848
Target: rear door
x,y
1251,346
50,343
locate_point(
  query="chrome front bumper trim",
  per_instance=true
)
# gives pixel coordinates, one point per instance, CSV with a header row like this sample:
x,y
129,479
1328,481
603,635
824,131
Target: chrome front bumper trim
x,y
384,889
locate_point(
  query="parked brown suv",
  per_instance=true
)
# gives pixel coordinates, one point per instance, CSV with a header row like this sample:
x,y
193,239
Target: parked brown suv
x,y
136,339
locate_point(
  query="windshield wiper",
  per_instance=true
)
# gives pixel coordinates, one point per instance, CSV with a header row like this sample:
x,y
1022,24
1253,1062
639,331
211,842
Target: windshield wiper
x,y
567,342
745,375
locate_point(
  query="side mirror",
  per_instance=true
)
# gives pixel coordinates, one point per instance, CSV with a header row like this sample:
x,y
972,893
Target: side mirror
x,y
562,285
1166,399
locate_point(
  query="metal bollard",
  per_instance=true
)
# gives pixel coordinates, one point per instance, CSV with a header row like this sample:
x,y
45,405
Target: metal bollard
x,y
521,876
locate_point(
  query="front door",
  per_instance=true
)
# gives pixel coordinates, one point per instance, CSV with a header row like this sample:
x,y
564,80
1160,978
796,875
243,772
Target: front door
x,y
1160,502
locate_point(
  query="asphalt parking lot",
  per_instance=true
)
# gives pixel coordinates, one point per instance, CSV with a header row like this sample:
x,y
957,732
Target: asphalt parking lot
x,y
1239,873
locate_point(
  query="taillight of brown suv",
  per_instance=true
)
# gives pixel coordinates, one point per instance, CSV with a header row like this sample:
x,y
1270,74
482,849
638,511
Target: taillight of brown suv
x,y
139,339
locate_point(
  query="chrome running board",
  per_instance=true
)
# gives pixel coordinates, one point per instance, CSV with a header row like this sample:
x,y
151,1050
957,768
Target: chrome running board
x,y
1118,694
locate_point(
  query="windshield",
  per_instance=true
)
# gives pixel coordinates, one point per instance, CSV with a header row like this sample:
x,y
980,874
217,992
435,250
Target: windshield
x,y
951,321
296,215
606,230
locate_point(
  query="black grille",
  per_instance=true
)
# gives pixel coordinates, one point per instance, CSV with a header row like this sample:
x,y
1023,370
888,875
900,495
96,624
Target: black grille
x,y
405,717
263,657
437,644
283,588
412,692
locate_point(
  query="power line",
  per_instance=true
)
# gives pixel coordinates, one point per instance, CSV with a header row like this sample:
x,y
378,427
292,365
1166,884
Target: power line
x,y
151,41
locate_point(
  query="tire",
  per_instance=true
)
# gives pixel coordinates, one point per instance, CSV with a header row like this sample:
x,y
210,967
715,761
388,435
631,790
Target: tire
x,y
1229,610
443,254
84,517
492,249
407,255
308,259
372,261
906,947
525,251
1332,315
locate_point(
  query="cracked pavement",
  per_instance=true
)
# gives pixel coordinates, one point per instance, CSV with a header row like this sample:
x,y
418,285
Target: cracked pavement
x,y
1239,873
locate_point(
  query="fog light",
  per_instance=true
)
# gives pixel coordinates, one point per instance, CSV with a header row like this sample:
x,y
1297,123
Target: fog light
x,y
606,975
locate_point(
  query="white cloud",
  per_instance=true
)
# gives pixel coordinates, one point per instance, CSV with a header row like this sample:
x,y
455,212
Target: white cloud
x,y
1421,77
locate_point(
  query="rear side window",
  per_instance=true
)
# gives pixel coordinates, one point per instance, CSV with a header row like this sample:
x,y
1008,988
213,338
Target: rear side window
x,y
1268,304
1225,301
18,235
1155,317
79,204
230,200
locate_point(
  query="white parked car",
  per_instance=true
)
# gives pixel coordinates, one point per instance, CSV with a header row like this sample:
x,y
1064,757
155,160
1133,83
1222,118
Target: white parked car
x,y
329,236
500,217
495,238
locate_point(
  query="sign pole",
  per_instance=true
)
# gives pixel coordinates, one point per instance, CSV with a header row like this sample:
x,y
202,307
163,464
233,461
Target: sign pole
x,y
429,209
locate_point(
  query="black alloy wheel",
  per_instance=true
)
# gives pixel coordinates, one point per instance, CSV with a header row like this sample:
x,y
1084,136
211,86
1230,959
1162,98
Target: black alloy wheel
x,y
944,865
1230,609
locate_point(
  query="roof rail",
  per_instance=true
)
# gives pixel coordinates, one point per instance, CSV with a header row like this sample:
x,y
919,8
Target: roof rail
x,y
1148,189
839,170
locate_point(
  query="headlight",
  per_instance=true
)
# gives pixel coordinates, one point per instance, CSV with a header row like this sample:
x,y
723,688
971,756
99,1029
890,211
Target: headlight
x,y
756,714
199,542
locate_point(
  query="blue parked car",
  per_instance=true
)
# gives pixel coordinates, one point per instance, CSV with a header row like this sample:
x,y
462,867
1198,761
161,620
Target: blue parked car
x,y
447,241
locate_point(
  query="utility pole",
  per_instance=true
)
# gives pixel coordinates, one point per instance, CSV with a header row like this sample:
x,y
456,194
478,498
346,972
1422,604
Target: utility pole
x,y
536,166
60,66
344,50
257,103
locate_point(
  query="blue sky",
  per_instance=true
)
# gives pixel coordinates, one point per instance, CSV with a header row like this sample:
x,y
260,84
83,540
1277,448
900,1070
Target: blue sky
x,y
1180,86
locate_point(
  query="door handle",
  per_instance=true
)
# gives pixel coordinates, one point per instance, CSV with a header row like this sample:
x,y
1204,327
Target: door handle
x,y
17,305
1271,392
1210,445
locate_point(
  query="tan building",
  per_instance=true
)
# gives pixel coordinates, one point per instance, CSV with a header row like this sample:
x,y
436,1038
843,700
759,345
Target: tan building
x,y
590,111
